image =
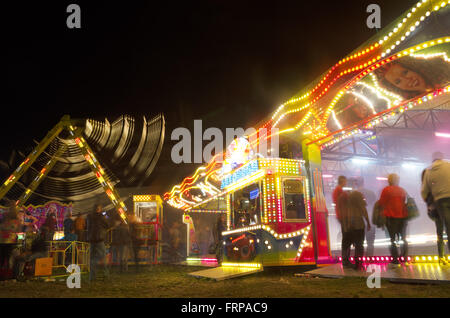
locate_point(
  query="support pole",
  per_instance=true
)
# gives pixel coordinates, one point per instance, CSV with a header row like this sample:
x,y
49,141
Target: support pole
x,y
42,174
98,171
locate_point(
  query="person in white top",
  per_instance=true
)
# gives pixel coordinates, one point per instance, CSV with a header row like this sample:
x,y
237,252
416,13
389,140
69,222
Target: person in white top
x,y
436,181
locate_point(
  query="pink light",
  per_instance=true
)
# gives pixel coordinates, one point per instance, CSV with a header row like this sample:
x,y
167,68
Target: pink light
x,y
382,178
441,134
382,258
378,258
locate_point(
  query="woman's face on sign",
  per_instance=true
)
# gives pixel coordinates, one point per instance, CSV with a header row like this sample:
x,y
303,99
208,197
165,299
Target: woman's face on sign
x,y
361,111
405,79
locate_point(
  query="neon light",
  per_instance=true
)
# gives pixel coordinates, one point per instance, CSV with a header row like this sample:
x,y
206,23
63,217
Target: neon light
x,y
441,134
252,265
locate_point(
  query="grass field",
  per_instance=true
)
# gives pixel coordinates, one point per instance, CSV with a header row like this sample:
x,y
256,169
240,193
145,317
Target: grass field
x,y
170,281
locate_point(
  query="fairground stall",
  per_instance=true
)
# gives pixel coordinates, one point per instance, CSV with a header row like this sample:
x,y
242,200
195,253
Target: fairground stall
x,y
149,211
267,202
356,119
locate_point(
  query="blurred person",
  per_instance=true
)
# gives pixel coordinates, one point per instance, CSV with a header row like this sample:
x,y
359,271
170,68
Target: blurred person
x,y
175,240
352,215
434,216
340,200
121,242
135,238
436,183
370,198
38,249
9,227
220,226
80,227
392,202
69,237
50,224
29,222
97,226
68,223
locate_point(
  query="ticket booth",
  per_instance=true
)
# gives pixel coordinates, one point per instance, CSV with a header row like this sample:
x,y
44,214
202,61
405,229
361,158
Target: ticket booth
x,y
269,217
149,211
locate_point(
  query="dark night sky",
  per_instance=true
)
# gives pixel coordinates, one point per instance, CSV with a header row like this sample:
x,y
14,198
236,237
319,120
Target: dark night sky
x,y
228,62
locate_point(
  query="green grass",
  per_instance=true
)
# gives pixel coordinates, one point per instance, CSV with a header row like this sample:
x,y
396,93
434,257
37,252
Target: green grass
x,y
173,281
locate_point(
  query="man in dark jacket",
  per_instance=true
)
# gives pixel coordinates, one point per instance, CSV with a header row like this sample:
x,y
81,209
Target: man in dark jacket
x,y
97,225
220,226
353,216
121,241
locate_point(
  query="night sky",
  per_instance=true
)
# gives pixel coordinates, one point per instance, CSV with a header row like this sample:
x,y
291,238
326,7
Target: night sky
x,y
229,63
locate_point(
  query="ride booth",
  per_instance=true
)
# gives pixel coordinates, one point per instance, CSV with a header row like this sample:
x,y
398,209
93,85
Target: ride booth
x,y
270,217
148,209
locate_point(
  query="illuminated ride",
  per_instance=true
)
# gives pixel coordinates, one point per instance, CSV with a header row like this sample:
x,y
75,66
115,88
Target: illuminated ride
x,y
79,159
404,68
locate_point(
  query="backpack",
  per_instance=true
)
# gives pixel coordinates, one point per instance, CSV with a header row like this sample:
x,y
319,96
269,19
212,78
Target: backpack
x,y
411,207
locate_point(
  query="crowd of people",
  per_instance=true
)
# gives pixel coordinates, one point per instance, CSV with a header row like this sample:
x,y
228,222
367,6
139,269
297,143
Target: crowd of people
x,y
392,211
96,228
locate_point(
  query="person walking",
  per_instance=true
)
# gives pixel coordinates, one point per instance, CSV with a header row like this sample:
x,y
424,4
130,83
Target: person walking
x,y
436,188
393,203
352,216
80,227
340,200
9,227
121,241
97,225
123,247
135,238
39,249
370,198
50,225
220,226
68,223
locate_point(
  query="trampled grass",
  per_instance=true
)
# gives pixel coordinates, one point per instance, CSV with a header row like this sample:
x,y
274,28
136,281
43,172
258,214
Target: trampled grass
x,y
170,281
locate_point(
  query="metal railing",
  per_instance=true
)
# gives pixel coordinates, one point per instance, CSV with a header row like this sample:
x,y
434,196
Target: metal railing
x,y
65,253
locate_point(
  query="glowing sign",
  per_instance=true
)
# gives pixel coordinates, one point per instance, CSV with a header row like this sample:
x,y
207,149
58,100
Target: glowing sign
x,y
254,194
240,174
239,152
